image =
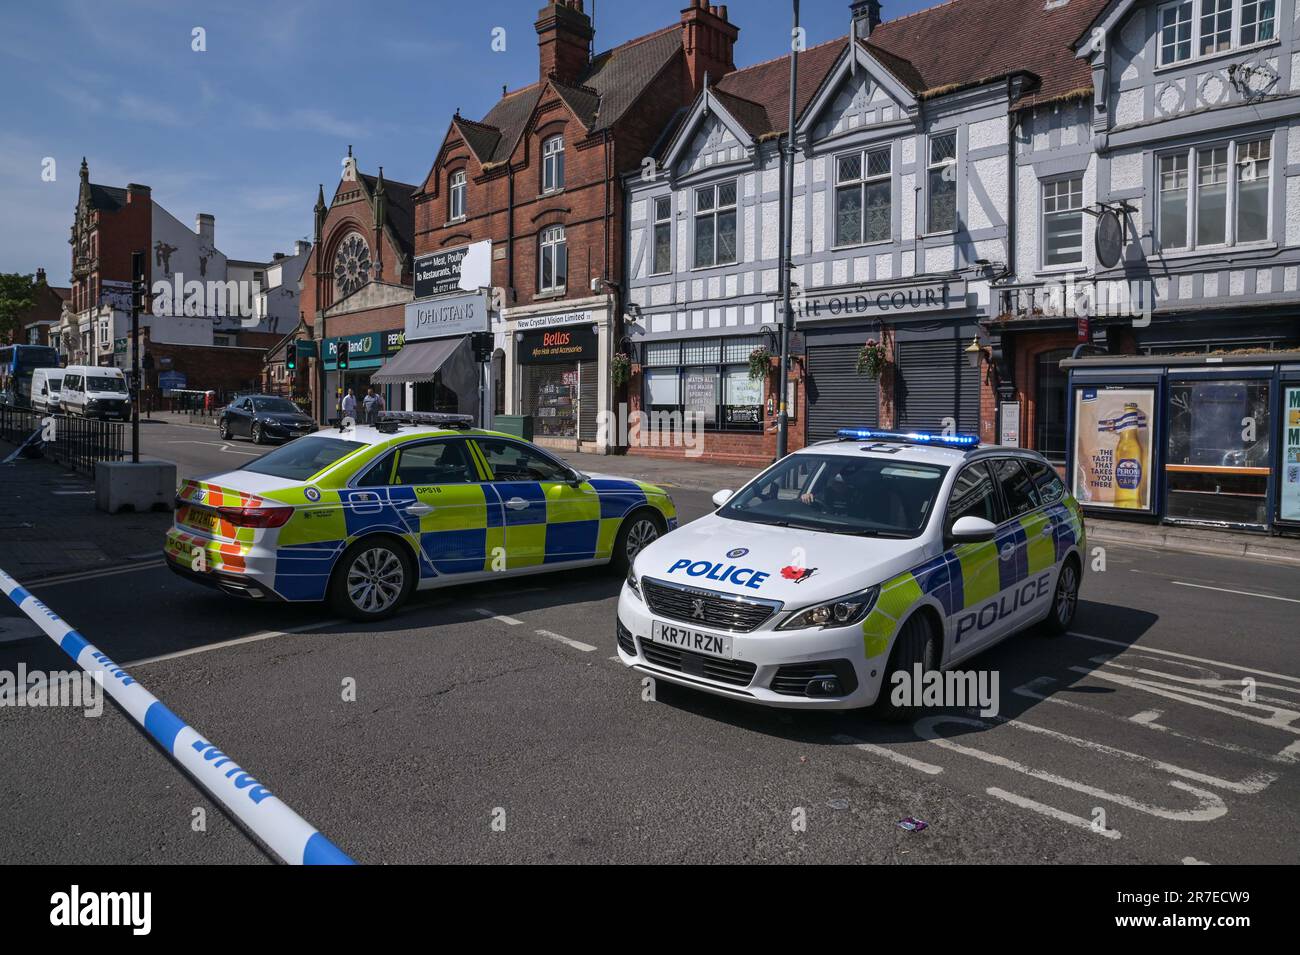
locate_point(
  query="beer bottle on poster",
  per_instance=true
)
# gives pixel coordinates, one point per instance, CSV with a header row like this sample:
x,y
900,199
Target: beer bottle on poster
x,y
1128,457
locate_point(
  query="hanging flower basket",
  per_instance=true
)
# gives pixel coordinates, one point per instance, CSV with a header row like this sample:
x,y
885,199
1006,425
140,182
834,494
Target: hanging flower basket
x,y
760,360
871,359
621,368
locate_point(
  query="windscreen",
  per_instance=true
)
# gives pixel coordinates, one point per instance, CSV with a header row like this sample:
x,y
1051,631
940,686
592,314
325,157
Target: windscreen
x,y
841,494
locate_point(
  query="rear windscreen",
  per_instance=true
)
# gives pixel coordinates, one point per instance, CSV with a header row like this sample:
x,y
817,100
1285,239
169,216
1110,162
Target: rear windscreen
x,y
299,460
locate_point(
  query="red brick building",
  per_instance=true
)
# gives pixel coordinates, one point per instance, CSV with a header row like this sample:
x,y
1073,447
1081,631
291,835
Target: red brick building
x,y
356,286
40,324
538,181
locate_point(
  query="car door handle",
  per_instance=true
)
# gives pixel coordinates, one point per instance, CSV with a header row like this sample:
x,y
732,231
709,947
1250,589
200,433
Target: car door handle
x,y
516,504
1047,529
419,510
1008,551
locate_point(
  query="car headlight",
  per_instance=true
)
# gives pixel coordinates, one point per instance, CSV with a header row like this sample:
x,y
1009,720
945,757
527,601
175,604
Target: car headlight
x,y
632,582
840,612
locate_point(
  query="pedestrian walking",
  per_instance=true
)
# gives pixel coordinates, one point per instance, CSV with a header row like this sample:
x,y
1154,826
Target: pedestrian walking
x,y
350,405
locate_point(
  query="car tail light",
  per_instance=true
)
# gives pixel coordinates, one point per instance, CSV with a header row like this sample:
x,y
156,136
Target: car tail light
x,y
256,516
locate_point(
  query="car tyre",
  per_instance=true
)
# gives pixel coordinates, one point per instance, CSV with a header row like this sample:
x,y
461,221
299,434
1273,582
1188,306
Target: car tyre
x,y
223,429
1065,600
258,437
916,643
637,532
372,579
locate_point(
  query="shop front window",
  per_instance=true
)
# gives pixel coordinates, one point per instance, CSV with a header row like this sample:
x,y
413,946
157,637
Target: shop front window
x,y
703,380
1217,464
551,398
1050,404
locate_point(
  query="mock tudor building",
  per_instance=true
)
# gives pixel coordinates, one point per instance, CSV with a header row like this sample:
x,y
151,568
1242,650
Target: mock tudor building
x,y
902,198
355,287
1189,156
520,221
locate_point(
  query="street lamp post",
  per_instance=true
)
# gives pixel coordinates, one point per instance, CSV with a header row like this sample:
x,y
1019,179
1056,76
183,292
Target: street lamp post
x,y
787,249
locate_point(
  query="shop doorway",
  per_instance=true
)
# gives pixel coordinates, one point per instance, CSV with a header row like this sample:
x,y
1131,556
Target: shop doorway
x,y
435,396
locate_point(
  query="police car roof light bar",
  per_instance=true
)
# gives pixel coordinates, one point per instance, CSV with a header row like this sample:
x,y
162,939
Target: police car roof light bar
x,y
910,437
459,422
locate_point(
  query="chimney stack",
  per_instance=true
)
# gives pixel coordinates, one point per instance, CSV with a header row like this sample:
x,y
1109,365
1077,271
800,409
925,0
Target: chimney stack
x,y
708,39
40,277
206,227
301,246
564,36
136,192
866,17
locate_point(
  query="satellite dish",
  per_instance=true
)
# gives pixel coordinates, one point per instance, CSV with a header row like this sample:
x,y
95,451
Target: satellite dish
x,y
1109,238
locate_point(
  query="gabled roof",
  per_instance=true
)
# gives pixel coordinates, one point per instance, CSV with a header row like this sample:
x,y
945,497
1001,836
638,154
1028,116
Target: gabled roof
x,y
599,97
966,42
765,87
953,45
107,198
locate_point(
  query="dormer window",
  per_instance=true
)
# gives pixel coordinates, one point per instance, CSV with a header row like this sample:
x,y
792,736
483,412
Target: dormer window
x,y
553,164
456,196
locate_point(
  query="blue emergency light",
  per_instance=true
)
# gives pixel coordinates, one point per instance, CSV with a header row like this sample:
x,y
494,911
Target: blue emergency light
x,y
910,437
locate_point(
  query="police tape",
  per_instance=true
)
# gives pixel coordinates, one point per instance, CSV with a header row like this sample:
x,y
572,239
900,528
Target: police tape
x,y
287,834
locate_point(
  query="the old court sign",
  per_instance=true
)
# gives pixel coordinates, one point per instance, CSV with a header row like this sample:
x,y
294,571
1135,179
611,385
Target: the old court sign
x,y
882,302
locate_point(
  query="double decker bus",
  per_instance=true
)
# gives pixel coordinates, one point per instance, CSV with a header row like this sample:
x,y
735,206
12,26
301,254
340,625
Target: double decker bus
x,y
17,362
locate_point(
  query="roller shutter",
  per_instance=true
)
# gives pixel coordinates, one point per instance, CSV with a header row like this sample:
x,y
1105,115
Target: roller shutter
x,y
934,381
837,396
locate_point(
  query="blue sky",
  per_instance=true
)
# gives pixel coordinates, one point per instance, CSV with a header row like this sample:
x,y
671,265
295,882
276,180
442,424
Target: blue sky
x,y
248,128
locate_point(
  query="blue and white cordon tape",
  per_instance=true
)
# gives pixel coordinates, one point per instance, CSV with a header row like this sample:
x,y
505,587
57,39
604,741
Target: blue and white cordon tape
x,y
287,834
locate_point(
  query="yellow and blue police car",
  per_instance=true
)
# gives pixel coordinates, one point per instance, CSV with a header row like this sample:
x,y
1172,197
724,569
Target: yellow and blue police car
x,y
363,516
851,560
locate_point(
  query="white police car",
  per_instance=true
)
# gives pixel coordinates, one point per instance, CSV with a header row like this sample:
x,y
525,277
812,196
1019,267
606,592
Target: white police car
x,y
849,560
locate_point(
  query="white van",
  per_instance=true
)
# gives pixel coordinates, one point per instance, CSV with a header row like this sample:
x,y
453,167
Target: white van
x,y
46,383
95,392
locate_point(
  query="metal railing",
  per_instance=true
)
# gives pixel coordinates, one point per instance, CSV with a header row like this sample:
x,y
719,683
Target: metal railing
x,y
77,443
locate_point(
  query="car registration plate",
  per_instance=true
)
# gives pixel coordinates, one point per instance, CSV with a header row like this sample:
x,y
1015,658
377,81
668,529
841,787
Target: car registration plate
x,y
683,638
200,519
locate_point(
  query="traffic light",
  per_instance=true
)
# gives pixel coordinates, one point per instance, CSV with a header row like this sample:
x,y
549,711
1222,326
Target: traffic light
x,y
291,357
343,355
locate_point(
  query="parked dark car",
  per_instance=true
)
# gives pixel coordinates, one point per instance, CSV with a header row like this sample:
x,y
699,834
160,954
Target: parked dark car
x,y
263,418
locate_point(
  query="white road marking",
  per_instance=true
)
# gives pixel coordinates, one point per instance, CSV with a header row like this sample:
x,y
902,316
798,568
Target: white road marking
x,y
69,493
576,644
1188,860
1060,815
94,573
1210,805
1216,682
1146,717
238,641
1028,689
928,768
1281,719
1254,783
1182,656
1225,590
511,621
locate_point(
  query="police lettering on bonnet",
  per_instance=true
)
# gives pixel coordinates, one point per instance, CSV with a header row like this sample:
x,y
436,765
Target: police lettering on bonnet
x,y
850,561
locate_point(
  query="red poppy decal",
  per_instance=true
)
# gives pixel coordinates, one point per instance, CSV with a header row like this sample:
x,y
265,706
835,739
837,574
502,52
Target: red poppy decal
x,y
798,574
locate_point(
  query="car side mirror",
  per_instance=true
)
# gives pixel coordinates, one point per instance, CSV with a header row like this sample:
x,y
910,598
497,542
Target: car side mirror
x,y
576,478
722,497
968,530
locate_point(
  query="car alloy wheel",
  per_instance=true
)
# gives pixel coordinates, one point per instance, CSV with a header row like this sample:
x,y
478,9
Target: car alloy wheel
x,y
375,580
1067,595
257,432
640,535
223,429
